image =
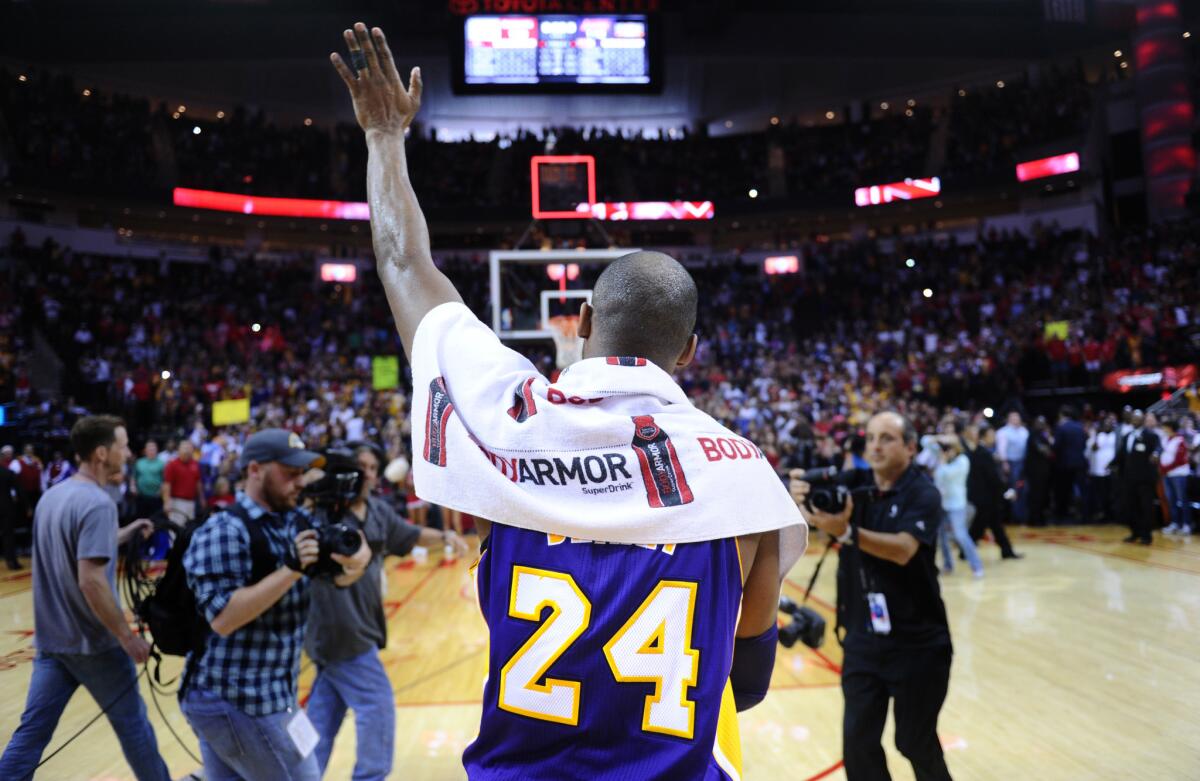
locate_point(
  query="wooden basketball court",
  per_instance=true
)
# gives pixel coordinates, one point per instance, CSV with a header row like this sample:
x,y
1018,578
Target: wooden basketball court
x,y
1078,662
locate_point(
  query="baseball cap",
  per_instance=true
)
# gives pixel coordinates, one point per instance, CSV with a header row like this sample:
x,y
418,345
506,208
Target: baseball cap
x,y
277,444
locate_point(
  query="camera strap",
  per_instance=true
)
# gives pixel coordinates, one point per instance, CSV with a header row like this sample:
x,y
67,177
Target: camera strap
x,y
263,560
817,570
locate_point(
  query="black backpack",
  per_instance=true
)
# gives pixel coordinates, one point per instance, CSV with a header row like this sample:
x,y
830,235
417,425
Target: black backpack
x,y
170,611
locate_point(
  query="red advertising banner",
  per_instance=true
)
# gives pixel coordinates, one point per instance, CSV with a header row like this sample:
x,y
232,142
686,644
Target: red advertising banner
x,y
1048,166
1164,377
908,190
648,210
781,264
338,272
271,207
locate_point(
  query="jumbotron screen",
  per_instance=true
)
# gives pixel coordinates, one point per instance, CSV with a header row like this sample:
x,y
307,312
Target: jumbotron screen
x,y
557,53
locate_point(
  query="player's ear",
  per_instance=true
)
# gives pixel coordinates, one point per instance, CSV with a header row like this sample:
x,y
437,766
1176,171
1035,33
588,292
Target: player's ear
x,y
584,330
689,352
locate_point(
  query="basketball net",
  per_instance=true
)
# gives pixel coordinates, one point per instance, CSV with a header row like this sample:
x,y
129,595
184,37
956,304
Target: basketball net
x,y
565,330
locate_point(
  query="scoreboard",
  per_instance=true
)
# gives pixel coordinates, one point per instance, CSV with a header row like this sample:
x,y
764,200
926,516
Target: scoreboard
x,y
556,53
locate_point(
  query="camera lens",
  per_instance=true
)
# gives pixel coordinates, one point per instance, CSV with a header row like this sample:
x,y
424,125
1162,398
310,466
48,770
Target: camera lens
x,y
344,540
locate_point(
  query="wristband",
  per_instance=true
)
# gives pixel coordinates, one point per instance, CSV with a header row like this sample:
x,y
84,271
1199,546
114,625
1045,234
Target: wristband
x,y
292,561
848,536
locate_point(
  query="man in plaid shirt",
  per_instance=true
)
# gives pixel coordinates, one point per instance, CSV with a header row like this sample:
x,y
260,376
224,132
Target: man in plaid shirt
x,y
240,693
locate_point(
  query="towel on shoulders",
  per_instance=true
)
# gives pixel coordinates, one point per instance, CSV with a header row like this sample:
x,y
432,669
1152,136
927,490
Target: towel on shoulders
x,y
613,451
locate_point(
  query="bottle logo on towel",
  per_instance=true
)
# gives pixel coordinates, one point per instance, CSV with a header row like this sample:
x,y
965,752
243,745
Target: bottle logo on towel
x,y
524,406
662,472
436,418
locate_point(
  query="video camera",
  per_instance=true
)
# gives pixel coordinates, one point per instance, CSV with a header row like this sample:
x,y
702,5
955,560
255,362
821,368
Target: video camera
x,y
330,497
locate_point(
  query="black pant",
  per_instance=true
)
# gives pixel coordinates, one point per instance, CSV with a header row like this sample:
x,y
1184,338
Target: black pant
x,y
1097,503
8,522
987,516
1037,493
917,679
1139,507
1066,483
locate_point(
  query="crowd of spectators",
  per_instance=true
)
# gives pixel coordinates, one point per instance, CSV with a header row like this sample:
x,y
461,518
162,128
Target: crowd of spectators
x,y
75,139
989,126
788,360
67,136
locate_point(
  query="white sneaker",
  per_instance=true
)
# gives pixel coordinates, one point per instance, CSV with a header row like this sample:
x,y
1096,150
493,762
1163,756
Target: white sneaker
x,y
977,574
1172,529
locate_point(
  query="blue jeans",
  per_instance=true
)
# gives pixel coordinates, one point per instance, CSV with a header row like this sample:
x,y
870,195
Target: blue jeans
x,y
111,678
1177,500
362,685
236,746
955,523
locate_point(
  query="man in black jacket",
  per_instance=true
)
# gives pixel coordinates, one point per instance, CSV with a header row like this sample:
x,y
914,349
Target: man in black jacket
x,y
1136,467
897,643
985,489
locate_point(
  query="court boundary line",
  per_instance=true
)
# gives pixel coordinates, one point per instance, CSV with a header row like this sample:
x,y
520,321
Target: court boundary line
x,y
836,766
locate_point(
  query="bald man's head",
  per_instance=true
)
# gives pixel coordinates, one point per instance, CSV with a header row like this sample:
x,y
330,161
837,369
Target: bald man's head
x,y
643,304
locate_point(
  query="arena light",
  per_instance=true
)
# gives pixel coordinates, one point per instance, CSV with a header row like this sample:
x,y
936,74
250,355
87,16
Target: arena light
x,y
1048,166
338,272
557,271
256,327
908,190
910,263
271,207
781,264
166,375
619,211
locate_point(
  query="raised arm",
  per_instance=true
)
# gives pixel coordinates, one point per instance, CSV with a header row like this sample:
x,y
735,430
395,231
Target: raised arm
x,y
385,108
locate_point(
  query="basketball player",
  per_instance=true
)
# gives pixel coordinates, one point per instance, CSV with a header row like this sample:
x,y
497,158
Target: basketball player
x,y
629,674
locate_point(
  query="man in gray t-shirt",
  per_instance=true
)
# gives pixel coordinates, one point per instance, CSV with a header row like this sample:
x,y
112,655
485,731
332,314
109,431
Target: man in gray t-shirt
x,y
347,627
79,629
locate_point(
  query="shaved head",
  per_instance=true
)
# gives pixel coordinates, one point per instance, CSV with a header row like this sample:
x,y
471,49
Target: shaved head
x,y
643,304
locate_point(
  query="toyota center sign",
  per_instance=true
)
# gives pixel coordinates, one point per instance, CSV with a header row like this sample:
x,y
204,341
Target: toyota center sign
x,y
1163,378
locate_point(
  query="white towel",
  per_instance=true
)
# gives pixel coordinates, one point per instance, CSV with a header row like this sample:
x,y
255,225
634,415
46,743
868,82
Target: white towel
x,y
611,452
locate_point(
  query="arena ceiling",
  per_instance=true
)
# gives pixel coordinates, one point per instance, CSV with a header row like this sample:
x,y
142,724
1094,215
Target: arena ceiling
x,y
733,56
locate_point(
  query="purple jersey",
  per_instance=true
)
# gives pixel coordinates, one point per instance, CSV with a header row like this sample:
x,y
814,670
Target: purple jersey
x,y
607,661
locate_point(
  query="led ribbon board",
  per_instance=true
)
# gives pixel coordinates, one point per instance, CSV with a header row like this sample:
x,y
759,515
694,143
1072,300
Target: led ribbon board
x,y
908,190
1048,166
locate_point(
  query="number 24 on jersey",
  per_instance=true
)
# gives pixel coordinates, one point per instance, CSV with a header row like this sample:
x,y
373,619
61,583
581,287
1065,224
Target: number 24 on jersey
x,y
653,646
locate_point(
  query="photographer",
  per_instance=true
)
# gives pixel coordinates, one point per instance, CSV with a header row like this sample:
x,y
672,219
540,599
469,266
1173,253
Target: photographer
x,y
239,693
897,640
79,628
347,628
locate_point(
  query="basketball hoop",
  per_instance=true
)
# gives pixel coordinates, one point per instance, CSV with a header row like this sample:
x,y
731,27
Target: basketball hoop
x,y
565,330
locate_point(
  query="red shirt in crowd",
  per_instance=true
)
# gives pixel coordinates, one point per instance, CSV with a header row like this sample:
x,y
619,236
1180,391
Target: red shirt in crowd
x,y
183,477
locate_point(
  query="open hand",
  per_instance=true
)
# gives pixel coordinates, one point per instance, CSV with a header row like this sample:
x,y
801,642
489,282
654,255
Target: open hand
x,y
381,101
